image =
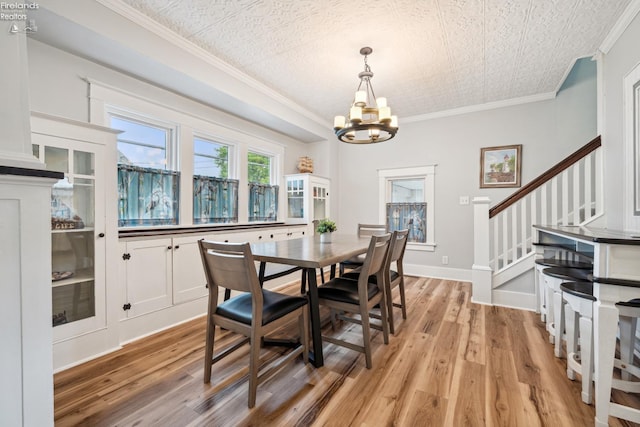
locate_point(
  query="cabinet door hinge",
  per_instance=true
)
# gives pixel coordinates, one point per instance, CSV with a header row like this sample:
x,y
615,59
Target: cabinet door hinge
x,y
127,306
126,256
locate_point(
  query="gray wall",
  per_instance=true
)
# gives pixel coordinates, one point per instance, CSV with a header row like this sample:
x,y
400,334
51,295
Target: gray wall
x,y
57,87
548,130
618,62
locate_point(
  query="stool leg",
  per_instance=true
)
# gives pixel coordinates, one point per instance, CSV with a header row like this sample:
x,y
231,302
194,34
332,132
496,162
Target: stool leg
x,y
586,355
627,339
540,293
605,336
549,301
558,321
571,327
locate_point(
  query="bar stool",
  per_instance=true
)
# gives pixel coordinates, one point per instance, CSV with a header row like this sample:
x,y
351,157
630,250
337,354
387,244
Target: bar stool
x,y
578,312
541,264
628,313
553,278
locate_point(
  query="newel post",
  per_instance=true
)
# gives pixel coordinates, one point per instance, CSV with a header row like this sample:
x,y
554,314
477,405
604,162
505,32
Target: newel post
x,y
481,271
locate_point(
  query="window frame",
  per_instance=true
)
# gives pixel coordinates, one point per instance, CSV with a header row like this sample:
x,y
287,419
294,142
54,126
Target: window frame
x,y
193,121
427,173
231,159
173,129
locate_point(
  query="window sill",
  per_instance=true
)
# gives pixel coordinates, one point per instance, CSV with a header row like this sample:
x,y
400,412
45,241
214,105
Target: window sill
x,y
160,231
422,247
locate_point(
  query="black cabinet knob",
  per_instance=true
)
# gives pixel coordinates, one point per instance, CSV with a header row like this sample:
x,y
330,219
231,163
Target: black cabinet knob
x,y
101,235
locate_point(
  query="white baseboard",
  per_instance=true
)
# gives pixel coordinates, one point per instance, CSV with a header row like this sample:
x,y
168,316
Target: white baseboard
x,y
458,274
517,300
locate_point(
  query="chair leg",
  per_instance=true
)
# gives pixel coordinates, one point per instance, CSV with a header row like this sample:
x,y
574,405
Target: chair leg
x,y
208,352
385,320
254,362
403,300
366,333
389,303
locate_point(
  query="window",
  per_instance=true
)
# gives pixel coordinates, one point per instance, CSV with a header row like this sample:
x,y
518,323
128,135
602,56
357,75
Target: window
x,y
210,158
147,182
407,197
143,144
263,197
259,168
215,196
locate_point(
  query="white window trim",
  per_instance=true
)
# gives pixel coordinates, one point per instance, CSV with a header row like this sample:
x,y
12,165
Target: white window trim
x,y
231,161
172,148
384,191
104,98
632,148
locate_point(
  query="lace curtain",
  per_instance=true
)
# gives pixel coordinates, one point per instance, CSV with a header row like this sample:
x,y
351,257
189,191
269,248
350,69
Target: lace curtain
x,y
215,200
263,202
147,196
411,216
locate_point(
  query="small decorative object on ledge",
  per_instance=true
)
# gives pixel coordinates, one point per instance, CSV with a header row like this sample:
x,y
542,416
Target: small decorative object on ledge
x,y
305,165
325,227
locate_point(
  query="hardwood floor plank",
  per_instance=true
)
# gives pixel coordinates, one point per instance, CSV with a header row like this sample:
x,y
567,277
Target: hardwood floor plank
x,y
451,363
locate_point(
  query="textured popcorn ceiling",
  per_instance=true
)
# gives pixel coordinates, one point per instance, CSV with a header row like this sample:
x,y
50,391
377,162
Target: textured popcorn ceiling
x,y
428,55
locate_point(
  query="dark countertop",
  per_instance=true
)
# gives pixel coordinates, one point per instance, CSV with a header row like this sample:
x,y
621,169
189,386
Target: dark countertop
x,y
593,234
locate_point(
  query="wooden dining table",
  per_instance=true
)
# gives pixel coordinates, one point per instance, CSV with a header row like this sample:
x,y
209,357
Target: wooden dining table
x,y
310,254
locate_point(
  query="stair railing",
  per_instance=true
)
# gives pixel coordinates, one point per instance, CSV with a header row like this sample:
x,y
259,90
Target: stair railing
x,y
569,193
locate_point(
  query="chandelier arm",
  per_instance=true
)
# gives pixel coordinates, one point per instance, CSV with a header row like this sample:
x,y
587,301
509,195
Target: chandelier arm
x,y
366,125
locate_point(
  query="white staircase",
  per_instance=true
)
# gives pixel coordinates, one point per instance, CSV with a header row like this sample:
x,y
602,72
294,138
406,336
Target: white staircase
x,y
570,193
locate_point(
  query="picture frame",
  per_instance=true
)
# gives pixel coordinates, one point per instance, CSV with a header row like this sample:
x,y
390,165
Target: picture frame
x,y
500,166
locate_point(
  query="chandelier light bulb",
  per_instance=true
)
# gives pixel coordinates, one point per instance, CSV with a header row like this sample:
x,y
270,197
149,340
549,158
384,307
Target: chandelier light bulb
x,y
369,120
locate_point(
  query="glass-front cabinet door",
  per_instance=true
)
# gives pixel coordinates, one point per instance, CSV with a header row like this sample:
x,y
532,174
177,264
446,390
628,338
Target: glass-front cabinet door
x,y
307,198
77,280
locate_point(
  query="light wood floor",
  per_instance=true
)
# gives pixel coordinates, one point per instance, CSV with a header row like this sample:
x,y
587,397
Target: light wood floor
x,y
451,363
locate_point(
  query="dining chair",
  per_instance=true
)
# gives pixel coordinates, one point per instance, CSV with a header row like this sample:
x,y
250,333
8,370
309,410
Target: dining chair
x,y
254,313
364,230
340,294
393,278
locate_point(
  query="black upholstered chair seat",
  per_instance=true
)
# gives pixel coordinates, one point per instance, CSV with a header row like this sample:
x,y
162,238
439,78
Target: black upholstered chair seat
x,y
579,289
275,306
553,262
345,290
353,275
569,273
354,261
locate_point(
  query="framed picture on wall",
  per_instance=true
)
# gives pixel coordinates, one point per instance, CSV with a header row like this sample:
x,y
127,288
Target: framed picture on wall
x,y
500,166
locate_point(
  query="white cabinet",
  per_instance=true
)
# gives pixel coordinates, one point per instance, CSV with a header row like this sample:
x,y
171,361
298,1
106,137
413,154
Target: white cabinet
x,y
79,227
147,274
189,281
163,272
307,198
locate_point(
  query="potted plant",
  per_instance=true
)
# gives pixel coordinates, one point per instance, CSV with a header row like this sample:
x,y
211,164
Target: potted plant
x,y
325,227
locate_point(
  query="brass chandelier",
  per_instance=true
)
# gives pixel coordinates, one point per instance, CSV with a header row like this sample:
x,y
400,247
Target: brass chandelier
x,y
369,120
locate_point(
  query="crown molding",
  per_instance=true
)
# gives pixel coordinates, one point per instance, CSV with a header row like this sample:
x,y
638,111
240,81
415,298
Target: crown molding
x,y
482,107
627,16
149,24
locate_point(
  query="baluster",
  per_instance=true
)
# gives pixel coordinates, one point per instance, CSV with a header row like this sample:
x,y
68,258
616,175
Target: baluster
x,y
514,232
505,238
554,200
564,213
524,226
577,185
543,204
495,241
